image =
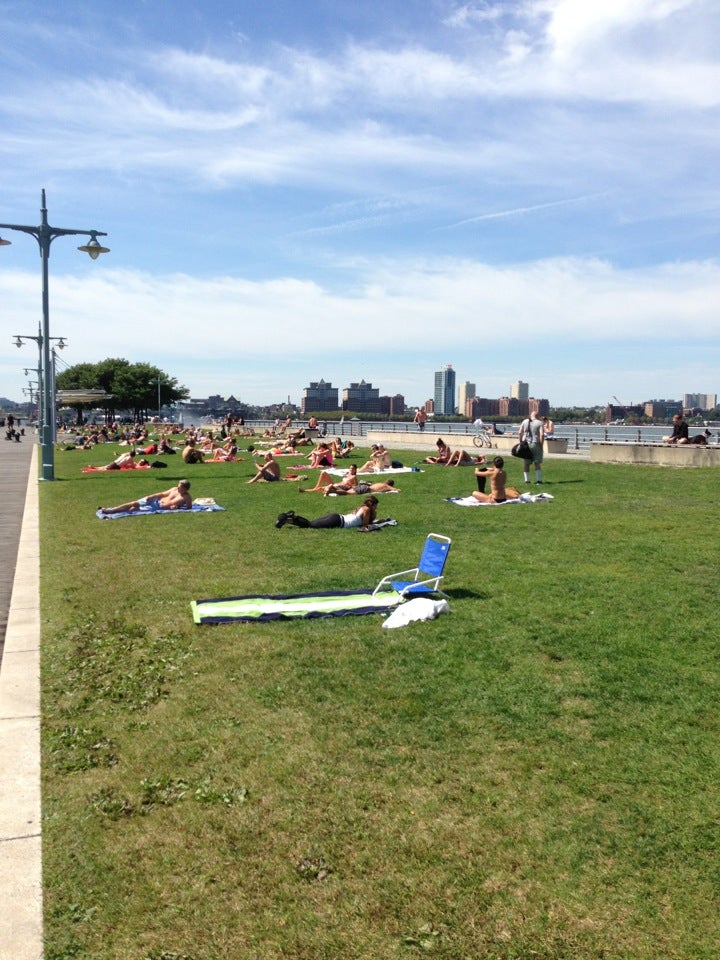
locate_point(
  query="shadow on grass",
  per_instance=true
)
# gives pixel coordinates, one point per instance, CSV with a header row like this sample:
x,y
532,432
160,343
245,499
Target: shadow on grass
x,y
463,594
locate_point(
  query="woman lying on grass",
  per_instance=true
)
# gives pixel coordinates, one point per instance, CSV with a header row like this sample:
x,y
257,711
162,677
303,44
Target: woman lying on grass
x,y
361,516
349,484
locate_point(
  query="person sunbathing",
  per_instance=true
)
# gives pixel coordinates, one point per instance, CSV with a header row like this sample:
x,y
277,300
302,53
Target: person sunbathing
x,y
361,516
227,452
498,479
443,453
379,460
341,448
191,454
325,483
126,461
321,456
268,470
461,458
349,484
176,498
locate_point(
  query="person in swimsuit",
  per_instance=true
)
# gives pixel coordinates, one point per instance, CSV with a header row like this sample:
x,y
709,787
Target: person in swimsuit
x,y
379,460
268,470
321,456
443,453
461,458
361,516
498,478
176,498
126,461
326,485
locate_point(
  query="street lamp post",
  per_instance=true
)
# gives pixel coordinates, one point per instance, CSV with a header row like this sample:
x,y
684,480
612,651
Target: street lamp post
x,y
33,392
19,338
45,234
38,373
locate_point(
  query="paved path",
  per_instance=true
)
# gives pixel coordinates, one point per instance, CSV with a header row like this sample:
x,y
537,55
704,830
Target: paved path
x,y
21,929
14,467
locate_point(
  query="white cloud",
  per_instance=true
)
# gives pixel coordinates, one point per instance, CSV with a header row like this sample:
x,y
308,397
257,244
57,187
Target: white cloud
x,y
256,339
573,27
560,298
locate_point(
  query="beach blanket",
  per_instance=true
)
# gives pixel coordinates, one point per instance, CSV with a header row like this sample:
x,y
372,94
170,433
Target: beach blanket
x,y
249,609
523,498
130,466
148,509
377,493
340,472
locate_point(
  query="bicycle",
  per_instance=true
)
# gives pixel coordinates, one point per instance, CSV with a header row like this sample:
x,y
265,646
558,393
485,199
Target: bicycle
x,y
484,437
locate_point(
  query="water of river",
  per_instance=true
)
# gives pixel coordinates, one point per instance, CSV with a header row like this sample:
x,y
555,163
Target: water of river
x,y
579,436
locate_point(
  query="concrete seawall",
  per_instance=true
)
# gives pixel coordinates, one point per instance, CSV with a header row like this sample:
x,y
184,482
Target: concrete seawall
x,y
660,455
427,441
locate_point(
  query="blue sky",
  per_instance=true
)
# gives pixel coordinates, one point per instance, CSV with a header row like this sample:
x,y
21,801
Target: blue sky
x,y
342,190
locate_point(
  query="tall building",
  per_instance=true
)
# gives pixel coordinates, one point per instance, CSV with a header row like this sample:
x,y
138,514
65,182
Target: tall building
x,y
520,390
361,398
319,396
465,395
445,391
700,401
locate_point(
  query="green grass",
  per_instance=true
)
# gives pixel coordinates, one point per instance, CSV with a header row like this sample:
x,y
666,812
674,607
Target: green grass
x,y
534,775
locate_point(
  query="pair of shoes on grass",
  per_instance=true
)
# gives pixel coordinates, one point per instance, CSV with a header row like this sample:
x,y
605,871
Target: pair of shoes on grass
x,y
284,518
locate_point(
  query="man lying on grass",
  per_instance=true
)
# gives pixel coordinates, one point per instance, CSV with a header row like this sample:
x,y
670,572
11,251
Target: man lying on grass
x,y
176,498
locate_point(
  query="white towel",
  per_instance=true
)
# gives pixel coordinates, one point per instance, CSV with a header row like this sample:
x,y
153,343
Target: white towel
x,y
523,498
421,608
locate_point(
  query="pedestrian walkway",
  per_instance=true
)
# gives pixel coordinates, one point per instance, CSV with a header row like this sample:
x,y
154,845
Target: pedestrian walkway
x,y
14,466
21,922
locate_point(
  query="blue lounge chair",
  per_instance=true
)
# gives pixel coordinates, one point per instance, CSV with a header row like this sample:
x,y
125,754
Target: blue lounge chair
x,y
426,576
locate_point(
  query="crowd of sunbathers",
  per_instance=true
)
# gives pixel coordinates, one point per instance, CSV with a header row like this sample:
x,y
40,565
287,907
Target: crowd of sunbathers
x,y
203,446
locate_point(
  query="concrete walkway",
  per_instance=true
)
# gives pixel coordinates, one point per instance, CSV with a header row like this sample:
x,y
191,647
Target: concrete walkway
x,y
21,920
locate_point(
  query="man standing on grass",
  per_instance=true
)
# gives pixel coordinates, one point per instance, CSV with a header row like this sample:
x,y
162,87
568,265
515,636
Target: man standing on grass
x,y
531,430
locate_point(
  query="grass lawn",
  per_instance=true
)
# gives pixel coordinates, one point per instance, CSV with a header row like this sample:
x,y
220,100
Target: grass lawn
x,y
533,775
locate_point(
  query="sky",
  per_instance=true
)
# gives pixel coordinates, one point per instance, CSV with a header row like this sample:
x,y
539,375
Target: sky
x,y
295,191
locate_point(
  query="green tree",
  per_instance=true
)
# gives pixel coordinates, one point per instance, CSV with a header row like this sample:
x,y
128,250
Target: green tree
x,y
134,387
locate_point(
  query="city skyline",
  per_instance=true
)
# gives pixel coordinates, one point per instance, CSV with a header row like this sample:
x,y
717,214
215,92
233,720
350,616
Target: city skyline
x,y
523,186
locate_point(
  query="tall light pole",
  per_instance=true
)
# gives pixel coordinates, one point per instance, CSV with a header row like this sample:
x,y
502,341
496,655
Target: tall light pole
x,y
19,338
38,373
45,234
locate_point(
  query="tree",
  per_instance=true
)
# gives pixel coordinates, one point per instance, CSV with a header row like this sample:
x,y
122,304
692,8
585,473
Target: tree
x,y
134,386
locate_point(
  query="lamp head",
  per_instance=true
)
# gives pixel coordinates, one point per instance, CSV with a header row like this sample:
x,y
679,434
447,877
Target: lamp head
x,y
18,342
93,247
5,243
61,344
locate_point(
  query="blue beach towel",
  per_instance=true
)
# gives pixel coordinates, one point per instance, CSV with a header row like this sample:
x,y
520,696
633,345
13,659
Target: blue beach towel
x,y
149,509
